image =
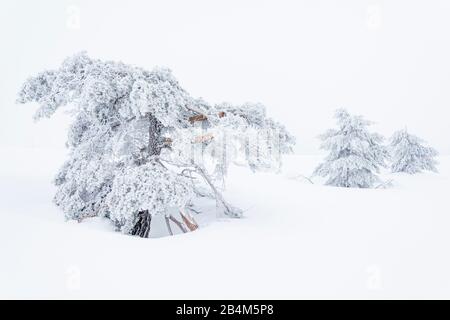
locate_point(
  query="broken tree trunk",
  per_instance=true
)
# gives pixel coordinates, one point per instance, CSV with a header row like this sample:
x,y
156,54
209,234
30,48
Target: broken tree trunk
x,y
189,221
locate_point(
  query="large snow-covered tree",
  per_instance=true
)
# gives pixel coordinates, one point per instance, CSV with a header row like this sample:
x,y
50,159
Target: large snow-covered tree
x,y
409,154
141,146
355,154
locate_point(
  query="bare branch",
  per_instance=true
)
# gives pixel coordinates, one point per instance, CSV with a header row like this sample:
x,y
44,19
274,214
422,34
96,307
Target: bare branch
x,y
229,210
178,223
168,225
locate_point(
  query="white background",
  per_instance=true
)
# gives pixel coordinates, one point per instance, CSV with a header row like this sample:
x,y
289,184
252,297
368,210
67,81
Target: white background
x,y
387,60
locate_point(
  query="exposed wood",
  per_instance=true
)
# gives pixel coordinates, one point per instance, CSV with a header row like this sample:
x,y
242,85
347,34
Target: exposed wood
x,y
204,138
166,142
189,221
199,139
197,117
202,117
178,223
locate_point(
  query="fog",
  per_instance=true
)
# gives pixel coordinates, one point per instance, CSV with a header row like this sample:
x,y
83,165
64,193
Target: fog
x,y
387,60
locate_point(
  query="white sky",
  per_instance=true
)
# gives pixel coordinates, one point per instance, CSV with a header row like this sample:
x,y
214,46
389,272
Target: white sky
x,y
388,60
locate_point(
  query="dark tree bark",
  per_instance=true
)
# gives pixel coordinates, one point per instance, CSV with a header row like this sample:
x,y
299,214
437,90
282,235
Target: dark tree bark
x,y
155,143
142,226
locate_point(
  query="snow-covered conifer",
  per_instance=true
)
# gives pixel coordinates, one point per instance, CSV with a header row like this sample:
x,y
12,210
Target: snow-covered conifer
x,y
409,154
355,154
140,145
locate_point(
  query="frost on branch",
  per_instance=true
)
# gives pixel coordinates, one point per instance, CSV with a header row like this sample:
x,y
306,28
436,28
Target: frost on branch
x,y
146,189
141,146
355,154
83,183
408,154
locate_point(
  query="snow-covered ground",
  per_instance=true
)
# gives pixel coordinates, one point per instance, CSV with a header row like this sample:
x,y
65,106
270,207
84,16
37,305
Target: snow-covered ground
x,y
297,240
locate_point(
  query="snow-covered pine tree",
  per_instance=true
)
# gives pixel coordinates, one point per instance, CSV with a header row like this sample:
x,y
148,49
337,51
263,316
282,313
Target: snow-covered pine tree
x,y
409,154
136,149
355,154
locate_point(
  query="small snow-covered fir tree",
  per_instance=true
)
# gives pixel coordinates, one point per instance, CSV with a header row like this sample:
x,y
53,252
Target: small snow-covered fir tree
x,y
408,154
141,146
355,154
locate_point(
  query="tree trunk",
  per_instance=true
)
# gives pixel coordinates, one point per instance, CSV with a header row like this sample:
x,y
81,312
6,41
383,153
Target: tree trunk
x,y
154,139
142,226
